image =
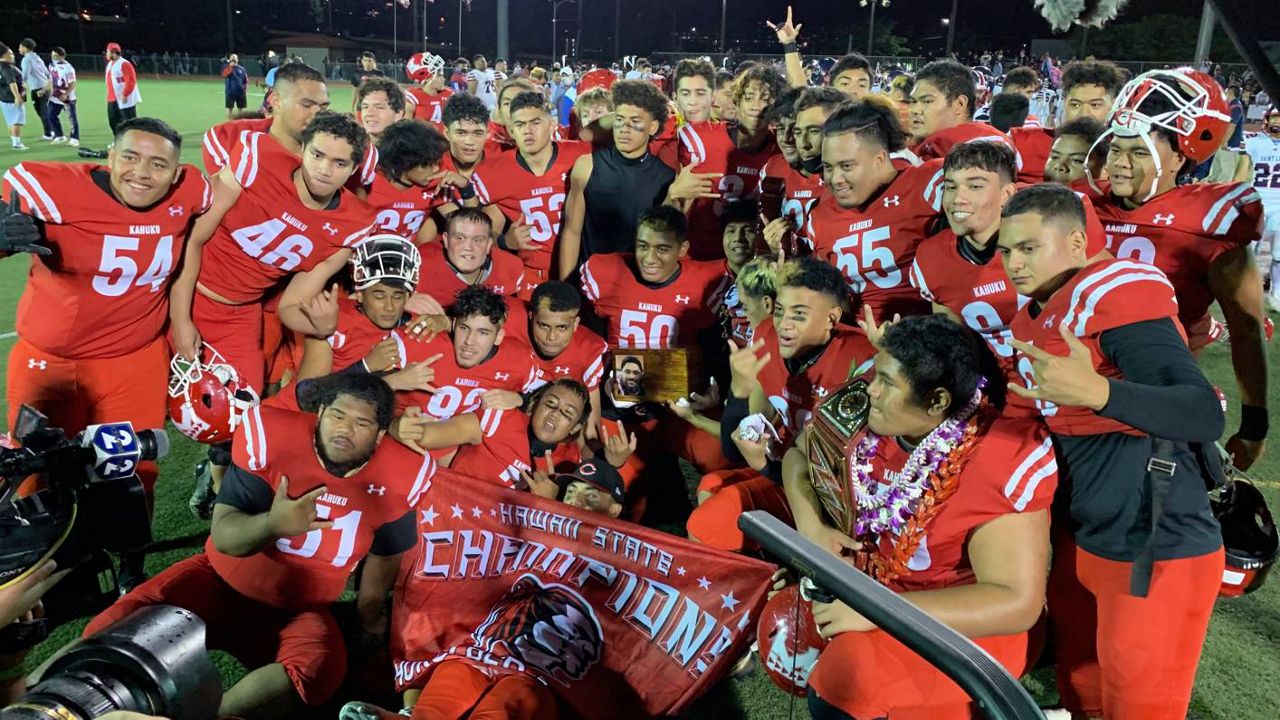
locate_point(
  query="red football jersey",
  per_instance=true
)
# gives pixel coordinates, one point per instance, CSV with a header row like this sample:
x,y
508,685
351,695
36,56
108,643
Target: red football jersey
x,y
401,211
222,140
427,107
502,454
653,318
802,191
269,234
709,147
732,309
794,396
937,145
1182,232
311,570
582,359
875,245
506,181
458,389
1033,144
355,337
221,145
1012,470
666,144
1101,296
105,290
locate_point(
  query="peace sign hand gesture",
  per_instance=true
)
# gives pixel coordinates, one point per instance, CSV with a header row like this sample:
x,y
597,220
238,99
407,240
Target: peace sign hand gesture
x,y
1069,380
18,230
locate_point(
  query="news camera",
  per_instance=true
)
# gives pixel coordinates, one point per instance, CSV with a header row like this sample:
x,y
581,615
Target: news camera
x,y
153,662
82,498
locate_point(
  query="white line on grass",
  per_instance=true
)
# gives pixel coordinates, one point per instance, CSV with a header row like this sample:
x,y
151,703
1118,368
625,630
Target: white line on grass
x,y
6,336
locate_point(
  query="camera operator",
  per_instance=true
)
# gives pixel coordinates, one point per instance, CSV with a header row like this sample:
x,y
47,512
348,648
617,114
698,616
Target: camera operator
x,y
237,84
20,601
292,520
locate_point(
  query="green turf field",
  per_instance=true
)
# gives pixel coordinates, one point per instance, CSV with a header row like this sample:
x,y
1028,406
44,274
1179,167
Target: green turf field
x,y
1240,671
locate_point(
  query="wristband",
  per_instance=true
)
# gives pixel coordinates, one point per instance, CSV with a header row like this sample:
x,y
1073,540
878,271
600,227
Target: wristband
x,y
790,47
466,192
1254,423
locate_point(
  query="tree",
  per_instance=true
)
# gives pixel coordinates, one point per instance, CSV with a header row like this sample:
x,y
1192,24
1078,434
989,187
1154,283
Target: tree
x,y
1155,38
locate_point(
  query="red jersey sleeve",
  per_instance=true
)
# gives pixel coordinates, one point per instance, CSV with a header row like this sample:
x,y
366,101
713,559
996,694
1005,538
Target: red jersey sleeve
x,y
1235,217
249,444
1124,292
1025,468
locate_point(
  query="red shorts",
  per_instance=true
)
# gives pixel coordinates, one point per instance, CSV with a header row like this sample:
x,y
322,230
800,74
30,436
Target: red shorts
x,y
235,331
456,690
78,393
871,675
715,521
307,643
1125,657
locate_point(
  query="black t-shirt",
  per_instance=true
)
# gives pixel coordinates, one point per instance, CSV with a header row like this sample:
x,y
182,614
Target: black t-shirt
x,y
9,73
360,75
1104,477
250,494
619,191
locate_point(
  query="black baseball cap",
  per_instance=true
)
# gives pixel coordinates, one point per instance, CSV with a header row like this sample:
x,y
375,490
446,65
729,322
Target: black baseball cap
x,y
597,472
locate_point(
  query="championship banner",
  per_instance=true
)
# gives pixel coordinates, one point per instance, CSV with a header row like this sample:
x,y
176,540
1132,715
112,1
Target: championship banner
x,y
592,606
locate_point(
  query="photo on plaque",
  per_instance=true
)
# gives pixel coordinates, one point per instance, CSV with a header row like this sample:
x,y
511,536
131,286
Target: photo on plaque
x,y
650,375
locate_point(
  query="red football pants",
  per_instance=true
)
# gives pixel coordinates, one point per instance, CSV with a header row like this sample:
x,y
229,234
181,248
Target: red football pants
x,y
307,643
235,331
458,690
78,393
871,675
1125,657
715,521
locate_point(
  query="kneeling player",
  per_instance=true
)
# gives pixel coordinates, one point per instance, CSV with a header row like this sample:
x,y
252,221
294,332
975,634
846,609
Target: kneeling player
x,y
966,533
293,520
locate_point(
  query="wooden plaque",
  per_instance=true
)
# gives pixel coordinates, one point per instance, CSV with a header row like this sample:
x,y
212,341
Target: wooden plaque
x,y
653,375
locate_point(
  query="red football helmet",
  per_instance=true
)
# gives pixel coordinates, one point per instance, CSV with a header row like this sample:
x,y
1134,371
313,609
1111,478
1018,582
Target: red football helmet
x,y
423,66
789,641
1198,111
598,78
206,397
1248,535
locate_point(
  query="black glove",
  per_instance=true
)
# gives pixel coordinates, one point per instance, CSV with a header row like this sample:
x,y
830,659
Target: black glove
x,y
18,230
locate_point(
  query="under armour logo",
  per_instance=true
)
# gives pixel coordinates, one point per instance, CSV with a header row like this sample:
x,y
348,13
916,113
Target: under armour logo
x,y
1049,321
562,370
1163,219
893,201
502,376
37,364
378,490
820,391
330,229
176,211
682,299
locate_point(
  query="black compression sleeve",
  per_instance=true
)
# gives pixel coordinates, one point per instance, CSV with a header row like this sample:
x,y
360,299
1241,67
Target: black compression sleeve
x,y
1163,392
735,411
396,536
245,491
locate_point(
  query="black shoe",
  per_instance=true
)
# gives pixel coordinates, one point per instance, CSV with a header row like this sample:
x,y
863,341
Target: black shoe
x,y
93,154
201,502
131,573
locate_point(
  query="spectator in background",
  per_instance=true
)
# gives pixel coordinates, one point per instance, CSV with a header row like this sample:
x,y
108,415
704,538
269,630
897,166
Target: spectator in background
x,y
122,88
62,78
35,76
368,68
12,99
1236,139
236,89
458,80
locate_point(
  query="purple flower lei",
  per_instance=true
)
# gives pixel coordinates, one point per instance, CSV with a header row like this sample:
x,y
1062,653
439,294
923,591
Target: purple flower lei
x,y
890,509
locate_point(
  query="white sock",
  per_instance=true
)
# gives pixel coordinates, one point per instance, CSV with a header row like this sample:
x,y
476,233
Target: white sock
x,y
15,140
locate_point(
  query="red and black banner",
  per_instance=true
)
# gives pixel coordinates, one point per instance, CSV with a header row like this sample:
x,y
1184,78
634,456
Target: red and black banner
x,y
592,606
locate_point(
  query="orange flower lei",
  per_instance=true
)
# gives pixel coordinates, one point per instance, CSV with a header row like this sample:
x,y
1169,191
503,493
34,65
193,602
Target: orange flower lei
x,y
942,485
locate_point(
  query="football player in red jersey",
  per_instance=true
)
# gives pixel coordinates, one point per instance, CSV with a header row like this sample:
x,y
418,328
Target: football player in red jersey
x,y
735,152
942,104
379,103
90,323
875,209
1089,89
1198,234
527,188
406,189
470,362
428,98
1104,358
293,520
465,256
273,218
740,235
1069,160
501,135
803,183
792,363
968,493
466,123
560,345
